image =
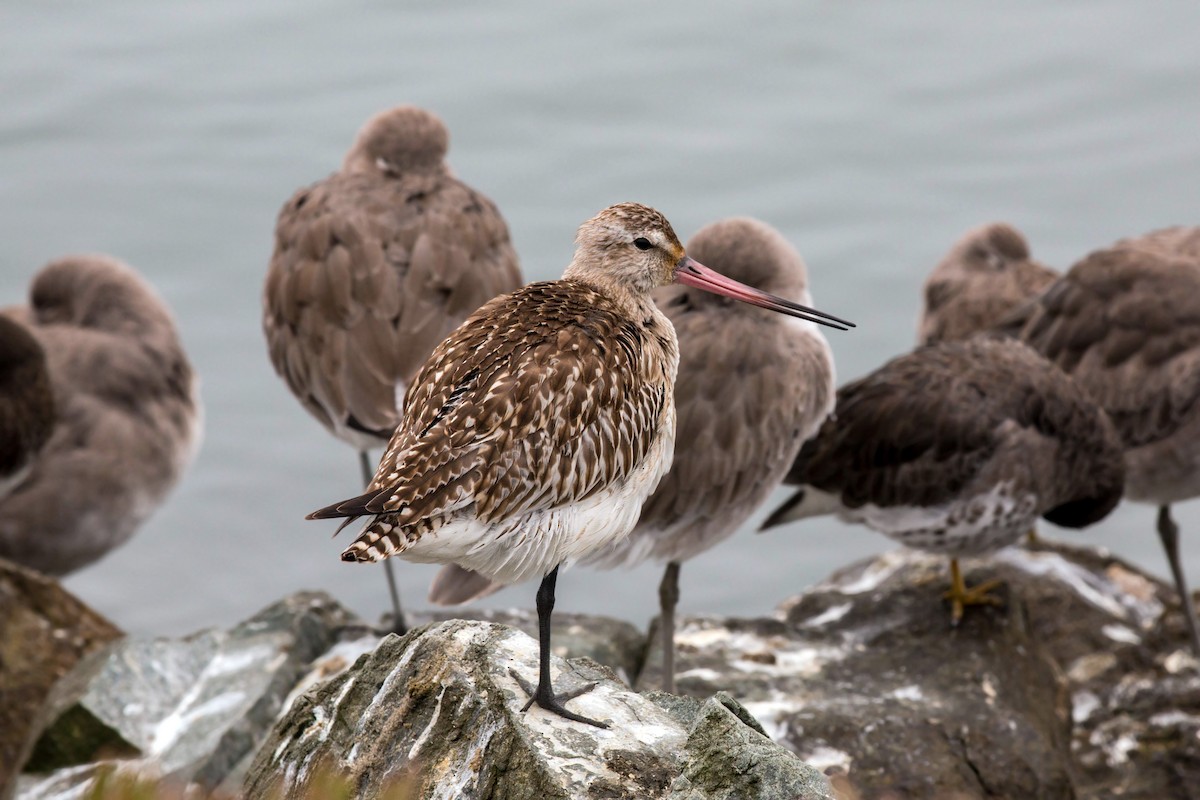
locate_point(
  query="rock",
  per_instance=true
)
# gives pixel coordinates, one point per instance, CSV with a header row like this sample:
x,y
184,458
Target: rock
x,y
191,709
439,709
44,631
1076,686
615,643
1119,640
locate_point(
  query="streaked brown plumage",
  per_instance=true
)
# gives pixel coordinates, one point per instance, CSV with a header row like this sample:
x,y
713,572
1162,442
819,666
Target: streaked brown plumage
x,y
1124,322
752,386
986,274
127,415
27,410
374,266
957,448
536,430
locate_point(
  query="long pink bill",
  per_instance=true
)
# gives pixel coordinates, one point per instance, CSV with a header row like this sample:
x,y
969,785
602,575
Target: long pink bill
x,y
692,273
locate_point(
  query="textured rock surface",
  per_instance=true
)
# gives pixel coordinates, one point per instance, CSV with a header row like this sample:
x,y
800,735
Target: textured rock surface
x,y
615,643
192,709
1120,641
441,708
1074,687
44,631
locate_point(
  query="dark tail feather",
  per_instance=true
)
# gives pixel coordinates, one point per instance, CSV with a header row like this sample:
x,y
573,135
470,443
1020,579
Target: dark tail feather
x,y
354,507
780,515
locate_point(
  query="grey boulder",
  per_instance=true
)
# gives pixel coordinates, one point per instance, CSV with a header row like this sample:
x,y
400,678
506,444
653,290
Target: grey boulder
x,y
439,713
190,709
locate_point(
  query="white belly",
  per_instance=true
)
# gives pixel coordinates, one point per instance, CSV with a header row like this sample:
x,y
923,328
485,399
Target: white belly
x,y
530,545
980,524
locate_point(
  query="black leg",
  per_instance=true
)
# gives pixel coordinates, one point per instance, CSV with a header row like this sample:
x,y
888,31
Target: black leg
x,y
1168,531
544,694
398,624
668,598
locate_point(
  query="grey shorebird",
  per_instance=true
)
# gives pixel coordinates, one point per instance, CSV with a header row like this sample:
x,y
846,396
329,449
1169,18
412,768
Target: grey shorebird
x,y
535,432
126,415
372,267
1124,322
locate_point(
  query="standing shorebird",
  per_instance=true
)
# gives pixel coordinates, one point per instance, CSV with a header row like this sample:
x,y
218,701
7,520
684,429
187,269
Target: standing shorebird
x,y
957,448
1125,324
27,412
374,266
751,388
535,432
126,415
986,274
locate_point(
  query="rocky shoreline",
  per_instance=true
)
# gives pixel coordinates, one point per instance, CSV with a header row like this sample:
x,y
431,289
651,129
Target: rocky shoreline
x,y
1079,685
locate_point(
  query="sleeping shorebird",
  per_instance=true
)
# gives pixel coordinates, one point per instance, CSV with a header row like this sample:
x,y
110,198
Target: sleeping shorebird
x,y
752,386
986,274
127,415
26,403
374,266
957,448
1125,324
535,432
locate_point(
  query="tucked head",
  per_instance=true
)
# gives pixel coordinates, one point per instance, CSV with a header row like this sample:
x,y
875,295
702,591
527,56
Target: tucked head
x,y
631,248
400,140
752,252
98,292
984,276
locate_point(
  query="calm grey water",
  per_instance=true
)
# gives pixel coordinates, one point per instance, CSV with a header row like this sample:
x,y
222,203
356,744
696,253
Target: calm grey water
x,y
170,134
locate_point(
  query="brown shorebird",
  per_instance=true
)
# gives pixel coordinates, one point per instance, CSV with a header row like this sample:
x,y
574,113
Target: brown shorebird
x,y
986,274
535,432
1125,324
127,415
26,403
957,448
752,386
374,266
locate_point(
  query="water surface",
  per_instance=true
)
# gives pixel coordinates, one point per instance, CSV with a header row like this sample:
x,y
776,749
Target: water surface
x,y
170,134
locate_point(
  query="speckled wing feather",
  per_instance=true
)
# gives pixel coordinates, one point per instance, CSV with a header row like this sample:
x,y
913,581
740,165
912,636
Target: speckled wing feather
x,y
1125,322
542,398
369,273
923,427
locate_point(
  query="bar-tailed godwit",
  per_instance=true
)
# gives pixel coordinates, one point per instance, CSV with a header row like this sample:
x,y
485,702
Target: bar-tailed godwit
x,y
534,433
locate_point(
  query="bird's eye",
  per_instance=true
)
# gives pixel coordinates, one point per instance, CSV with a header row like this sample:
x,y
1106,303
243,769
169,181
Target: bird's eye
x,y
642,243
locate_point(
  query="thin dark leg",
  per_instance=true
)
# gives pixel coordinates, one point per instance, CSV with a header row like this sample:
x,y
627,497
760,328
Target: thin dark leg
x,y
544,694
1168,531
668,598
398,625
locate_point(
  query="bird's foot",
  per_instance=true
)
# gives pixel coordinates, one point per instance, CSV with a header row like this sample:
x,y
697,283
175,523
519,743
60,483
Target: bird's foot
x,y
545,697
1031,538
961,597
